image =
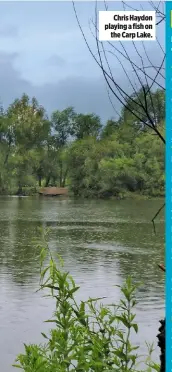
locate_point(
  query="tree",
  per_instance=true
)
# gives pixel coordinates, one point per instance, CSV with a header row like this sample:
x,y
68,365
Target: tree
x,y
62,125
86,125
62,131
110,128
27,128
28,123
113,166
155,109
94,161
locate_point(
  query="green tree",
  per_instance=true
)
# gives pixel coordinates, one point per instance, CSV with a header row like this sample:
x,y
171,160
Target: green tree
x,y
86,125
27,128
62,132
75,149
28,123
153,111
62,125
110,128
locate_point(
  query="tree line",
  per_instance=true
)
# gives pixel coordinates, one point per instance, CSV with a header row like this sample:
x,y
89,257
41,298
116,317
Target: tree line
x,y
78,151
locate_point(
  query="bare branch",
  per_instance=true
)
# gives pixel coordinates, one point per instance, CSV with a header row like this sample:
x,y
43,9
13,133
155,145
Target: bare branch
x,y
136,105
156,215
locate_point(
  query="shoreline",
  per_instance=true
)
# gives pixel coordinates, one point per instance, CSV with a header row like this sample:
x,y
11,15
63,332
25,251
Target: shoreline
x,y
126,196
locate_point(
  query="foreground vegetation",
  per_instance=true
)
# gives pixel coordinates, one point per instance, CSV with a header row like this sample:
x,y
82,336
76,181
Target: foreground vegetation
x,y
77,151
86,336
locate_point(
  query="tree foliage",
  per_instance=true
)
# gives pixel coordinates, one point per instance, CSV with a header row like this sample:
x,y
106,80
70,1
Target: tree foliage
x,y
92,158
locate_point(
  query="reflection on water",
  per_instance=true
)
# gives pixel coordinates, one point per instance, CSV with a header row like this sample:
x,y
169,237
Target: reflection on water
x,y
101,242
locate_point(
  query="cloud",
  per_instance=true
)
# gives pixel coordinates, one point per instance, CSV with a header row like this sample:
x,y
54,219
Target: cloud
x,y
86,95
11,83
76,86
56,60
8,31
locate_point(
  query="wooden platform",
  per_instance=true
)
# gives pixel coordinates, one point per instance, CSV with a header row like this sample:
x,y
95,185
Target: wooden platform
x,y
53,191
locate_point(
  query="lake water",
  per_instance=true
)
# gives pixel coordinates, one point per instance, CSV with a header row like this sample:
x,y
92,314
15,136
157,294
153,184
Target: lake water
x,y
101,242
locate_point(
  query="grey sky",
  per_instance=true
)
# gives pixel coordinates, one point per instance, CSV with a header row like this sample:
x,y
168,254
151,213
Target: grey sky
x,y
43,54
